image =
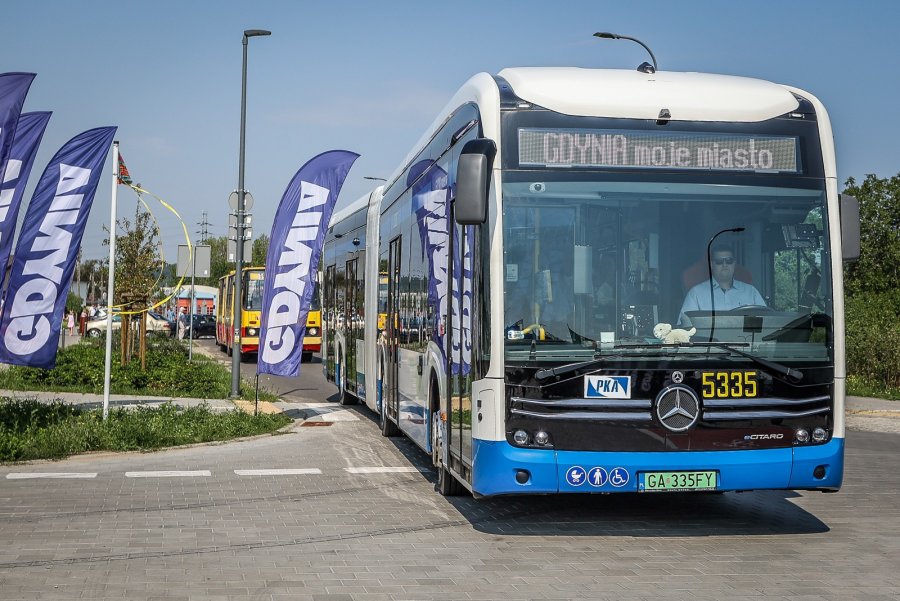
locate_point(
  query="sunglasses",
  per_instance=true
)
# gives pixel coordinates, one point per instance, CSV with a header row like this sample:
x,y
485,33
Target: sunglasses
x,y
725,261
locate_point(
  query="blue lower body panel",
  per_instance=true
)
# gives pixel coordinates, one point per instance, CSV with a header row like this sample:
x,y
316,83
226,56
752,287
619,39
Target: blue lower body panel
x,y
496,463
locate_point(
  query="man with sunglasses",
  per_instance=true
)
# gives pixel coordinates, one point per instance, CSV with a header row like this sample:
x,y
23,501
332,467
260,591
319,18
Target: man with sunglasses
x,y
728,292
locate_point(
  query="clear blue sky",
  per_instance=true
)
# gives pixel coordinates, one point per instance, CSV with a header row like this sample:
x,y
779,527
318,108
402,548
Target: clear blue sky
x,y
370,77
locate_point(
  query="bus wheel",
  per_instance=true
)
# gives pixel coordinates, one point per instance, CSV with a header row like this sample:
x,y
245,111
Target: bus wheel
x,y
345,397
446,483
306,357
388,428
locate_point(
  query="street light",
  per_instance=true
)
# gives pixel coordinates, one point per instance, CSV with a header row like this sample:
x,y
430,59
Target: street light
x,y
239,250
644,67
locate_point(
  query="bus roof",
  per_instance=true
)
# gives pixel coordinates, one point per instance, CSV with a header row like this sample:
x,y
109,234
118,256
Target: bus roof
x,y
620,93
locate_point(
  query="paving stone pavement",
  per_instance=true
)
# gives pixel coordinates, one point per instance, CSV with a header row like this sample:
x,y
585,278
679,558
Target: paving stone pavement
x,y
390,536
318,532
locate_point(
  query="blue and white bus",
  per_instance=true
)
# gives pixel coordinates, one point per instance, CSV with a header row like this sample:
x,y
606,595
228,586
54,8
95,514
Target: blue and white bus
x,y
531,297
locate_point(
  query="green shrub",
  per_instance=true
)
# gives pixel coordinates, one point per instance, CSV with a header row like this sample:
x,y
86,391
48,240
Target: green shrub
x,y
873,343
33,430
80,368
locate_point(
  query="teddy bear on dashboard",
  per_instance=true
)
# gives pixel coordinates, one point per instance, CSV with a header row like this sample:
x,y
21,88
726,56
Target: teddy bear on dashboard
x,y
664,332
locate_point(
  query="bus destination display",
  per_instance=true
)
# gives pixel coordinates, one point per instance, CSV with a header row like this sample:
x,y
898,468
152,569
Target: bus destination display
x,y
540,147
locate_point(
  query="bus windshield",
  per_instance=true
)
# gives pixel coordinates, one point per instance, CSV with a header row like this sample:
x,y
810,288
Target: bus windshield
x,y
593,266
254,282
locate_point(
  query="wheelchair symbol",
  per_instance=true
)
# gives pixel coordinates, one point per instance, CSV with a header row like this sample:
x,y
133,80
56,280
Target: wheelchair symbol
x,y
618,477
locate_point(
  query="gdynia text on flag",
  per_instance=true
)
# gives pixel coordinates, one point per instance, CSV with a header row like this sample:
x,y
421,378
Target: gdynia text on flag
x,y
298,234
48,245
29,132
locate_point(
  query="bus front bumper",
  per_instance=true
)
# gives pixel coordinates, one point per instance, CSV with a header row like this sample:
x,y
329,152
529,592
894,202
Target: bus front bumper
x,y
496,465
312,343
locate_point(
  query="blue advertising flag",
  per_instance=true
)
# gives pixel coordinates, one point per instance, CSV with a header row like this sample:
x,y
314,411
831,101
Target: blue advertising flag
x,y
16,170
13,89
48,245
295,246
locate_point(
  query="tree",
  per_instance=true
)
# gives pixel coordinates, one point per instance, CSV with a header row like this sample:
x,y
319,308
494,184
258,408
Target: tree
x,y
137,256
260,249
218,265
872,293
878,268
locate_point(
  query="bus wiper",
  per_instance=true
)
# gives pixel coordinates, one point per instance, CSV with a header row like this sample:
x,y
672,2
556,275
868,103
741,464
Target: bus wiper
x,y
789,372
543,374
633,350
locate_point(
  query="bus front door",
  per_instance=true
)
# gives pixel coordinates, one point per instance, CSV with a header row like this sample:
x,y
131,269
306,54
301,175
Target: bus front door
x,y
392,332
459,357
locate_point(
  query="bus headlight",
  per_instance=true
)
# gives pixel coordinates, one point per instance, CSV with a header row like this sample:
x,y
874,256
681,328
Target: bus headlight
x,y
312,331
251,332
819,434
802,435
521,437
541,438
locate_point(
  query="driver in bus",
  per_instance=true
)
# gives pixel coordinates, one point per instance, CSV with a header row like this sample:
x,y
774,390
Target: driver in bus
x,y
729,293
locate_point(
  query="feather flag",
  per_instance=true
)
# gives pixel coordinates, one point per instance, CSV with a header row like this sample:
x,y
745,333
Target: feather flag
x,y
45,255
298,234
29,131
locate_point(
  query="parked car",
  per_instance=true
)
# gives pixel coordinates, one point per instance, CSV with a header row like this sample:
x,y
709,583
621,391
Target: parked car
x,y
200,326
156,323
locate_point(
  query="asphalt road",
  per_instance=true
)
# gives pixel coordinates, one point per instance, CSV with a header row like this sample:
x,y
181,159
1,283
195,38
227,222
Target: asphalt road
x,y
338,512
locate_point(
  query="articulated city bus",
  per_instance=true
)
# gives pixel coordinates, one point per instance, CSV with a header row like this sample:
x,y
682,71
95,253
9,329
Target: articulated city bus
x,y
252,291
604,281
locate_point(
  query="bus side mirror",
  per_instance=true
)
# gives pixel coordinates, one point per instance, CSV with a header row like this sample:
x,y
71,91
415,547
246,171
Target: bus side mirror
x,y
473,178
849,227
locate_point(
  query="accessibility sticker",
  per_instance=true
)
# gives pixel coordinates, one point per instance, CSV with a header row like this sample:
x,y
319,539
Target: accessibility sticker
x,y
597,476
618,477
575,475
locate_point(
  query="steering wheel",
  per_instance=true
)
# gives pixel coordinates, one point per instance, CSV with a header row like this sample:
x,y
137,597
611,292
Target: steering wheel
x,y
749,309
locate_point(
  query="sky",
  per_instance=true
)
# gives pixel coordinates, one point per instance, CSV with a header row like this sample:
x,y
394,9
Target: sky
x,y
371,76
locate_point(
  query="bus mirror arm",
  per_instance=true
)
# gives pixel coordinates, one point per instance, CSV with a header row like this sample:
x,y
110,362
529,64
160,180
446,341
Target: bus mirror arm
x,y
473,178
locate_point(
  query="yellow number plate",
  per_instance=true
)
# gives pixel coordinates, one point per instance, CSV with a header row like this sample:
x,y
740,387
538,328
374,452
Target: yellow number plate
x,y
729,384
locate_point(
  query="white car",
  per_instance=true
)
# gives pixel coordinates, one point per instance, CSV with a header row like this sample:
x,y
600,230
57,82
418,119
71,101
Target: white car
x,y
155,323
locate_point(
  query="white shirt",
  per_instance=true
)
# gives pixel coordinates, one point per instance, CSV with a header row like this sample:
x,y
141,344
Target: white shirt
x,y
739,295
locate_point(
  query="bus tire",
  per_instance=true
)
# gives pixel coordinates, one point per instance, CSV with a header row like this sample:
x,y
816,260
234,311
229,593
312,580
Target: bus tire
x,y
446,484
344,398
388,428
306,357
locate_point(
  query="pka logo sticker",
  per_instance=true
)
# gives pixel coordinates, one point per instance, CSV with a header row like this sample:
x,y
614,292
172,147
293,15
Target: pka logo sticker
x,y
607,387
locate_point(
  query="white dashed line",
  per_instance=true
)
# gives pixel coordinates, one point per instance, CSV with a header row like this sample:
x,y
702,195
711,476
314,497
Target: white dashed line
x,y
303,471
169,474
383,470
65,475
284,472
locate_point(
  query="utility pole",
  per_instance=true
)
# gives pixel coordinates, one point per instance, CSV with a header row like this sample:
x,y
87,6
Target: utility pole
x,y
204,228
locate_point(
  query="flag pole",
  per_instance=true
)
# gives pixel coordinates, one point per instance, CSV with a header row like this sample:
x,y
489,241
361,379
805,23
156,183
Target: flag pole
x,y
107,373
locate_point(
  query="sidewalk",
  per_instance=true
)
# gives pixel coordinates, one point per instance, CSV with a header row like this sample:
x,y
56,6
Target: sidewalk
x,y
95,401
858,403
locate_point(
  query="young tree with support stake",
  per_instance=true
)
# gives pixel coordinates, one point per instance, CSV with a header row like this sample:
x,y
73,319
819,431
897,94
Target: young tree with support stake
x,y
137,247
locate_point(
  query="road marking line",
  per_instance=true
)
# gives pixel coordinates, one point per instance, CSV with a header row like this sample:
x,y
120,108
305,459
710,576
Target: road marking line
x,y
29,475
169,474
383,470
284,472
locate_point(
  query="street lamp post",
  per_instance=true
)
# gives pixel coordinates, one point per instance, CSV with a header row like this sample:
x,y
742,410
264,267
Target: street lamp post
x,y
239,250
